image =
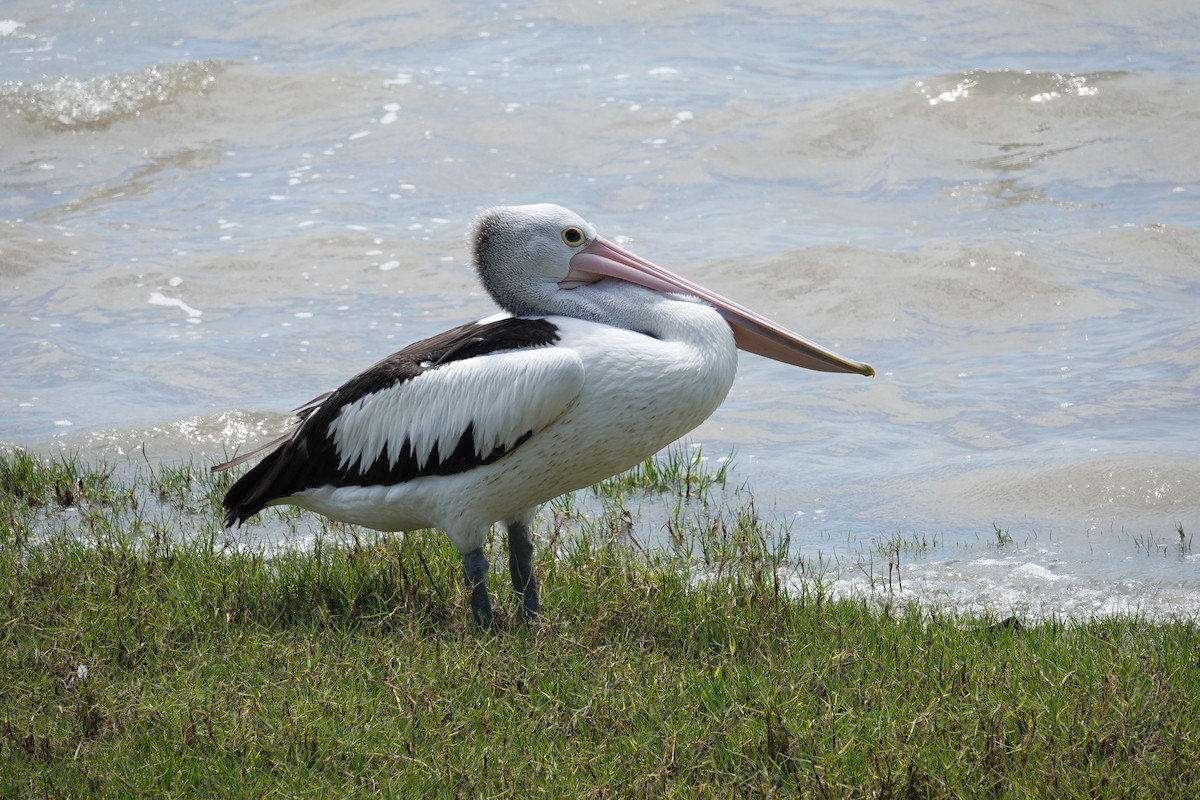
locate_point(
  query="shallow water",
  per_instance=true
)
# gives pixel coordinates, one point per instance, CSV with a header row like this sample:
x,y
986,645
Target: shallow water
x,y
210,213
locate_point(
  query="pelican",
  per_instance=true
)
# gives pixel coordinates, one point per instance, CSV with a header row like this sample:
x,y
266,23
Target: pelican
x,y
597,361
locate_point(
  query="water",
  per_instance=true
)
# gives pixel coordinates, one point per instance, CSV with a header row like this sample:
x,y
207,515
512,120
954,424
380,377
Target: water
x,y
210,212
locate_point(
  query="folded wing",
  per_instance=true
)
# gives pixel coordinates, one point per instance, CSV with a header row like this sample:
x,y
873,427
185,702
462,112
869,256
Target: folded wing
x,y
445,405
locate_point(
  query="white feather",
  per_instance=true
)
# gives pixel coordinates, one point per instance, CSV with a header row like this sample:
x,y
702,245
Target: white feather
x,y
505,394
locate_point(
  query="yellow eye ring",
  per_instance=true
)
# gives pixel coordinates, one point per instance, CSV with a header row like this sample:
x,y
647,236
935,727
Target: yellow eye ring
x,y
573,236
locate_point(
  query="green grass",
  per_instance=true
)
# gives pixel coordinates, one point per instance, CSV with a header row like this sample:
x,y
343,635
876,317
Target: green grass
x,y
145,653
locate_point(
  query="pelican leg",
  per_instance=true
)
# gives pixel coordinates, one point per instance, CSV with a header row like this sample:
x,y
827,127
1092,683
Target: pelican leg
x,y
475,568
520,564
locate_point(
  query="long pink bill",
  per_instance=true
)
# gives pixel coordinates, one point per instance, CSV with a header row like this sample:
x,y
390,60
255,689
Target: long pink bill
x,y
751,331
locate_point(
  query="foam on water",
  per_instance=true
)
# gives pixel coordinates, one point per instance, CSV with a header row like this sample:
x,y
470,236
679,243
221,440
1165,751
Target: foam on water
x,y
71,104
1031,583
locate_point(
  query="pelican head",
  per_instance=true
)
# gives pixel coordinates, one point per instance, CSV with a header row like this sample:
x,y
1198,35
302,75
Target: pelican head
x,y
523,253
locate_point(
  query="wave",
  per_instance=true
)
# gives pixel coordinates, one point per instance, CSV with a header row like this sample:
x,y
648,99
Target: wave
x,y
975,133
1034,87
95,104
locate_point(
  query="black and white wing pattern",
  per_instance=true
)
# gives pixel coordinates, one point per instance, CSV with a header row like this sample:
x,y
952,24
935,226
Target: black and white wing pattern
x,y
444,405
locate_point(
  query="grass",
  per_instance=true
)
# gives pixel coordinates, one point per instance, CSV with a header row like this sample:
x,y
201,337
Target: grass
x,y
145,654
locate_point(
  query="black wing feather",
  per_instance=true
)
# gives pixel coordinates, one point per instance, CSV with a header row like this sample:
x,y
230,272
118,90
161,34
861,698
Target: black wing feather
x,y
308,458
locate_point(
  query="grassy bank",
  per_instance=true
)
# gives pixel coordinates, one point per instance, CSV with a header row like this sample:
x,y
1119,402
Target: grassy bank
x,y
143,653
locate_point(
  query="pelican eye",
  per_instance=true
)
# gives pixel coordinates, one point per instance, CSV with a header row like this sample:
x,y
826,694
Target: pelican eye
x,y
573,236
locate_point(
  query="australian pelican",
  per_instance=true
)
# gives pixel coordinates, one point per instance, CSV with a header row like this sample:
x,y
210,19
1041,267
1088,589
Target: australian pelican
x,y
599,360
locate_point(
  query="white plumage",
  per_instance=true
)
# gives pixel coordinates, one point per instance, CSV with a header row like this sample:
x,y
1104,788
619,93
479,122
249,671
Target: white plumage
x,y
606,419
602,359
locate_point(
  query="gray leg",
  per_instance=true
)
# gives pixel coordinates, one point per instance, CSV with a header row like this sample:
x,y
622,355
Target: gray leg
x,y
520,564
475,568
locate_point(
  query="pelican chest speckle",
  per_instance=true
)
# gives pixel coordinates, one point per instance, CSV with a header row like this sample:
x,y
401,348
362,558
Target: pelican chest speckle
x,y
599,360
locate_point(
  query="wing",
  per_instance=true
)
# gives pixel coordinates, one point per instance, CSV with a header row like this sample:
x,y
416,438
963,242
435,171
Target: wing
x,y
445,405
